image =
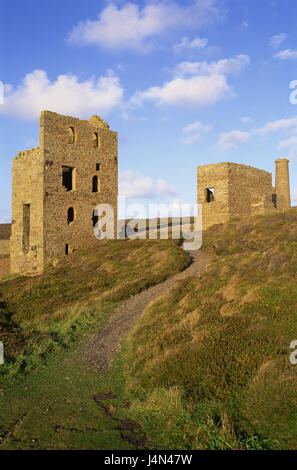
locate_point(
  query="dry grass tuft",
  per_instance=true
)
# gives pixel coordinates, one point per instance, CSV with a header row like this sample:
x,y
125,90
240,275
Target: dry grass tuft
x,y
223,340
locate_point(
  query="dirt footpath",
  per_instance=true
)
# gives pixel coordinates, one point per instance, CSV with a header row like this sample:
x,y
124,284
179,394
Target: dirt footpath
x,y
102,346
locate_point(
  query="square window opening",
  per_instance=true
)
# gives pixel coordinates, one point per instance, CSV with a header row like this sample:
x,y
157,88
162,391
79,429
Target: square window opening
x,y
210,194
69,178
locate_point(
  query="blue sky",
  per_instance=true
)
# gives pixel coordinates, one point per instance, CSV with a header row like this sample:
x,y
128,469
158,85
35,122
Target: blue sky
x,y
184,83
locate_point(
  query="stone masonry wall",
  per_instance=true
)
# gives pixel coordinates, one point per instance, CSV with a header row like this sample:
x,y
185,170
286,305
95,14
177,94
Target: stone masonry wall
x,y
213,176
5,231
4,247
27,189
250,191
84,158
239,191
41,202
282,184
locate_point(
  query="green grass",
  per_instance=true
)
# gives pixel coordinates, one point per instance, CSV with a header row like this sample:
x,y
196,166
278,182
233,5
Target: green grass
x,y
51,311
46,391
54,408
207,365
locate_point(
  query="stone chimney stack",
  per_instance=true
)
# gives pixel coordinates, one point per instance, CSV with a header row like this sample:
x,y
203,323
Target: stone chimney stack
x,y
282,184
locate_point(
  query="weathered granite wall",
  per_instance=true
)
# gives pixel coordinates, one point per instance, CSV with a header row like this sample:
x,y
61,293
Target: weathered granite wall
x,y
230,190
57,186
282,184
26,243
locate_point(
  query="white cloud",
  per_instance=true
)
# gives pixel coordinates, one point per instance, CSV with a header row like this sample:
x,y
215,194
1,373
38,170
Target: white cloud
x,y
277,40
191,91
245,119
232,65
164,189
135,185
289,124
198,83
192,132
66,95
230,140
197,43
132,27
289,142
287,54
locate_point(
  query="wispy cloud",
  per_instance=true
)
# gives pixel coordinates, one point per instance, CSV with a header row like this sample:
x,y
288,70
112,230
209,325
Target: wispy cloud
x,y
192,132
245,119
287,54
134,28
233,65
65,95
289,124
277,40
288,142
232,139
196,44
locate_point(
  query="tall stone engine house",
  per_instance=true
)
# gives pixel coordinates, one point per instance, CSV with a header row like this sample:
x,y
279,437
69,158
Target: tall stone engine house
x,y
56,188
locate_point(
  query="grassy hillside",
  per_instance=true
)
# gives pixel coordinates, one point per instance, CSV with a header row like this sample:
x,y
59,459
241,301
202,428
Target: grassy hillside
x,y
44,313
208,364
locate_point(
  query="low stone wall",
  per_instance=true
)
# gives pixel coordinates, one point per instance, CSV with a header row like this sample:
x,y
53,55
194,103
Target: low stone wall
x,y
5,231
4,266
4,247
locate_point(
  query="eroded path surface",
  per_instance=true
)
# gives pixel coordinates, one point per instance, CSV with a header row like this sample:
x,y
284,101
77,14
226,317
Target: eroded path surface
x,y
100,351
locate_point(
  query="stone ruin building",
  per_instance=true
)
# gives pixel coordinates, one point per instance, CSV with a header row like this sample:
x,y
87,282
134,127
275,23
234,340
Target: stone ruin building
x,y
57,186
229,190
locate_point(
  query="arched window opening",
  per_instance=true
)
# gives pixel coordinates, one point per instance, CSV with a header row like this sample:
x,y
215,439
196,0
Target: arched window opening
x,y
71,135
95,184
95,140
70,215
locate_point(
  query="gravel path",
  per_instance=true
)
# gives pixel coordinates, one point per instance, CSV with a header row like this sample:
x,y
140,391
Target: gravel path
x,y
102,346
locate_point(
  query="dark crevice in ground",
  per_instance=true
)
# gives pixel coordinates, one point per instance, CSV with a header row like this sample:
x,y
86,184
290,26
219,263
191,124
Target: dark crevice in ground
x,y
130,430
9,434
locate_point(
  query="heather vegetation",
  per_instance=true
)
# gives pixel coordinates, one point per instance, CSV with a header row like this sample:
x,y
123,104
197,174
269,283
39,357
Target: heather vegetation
x,y
51,311
208,364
